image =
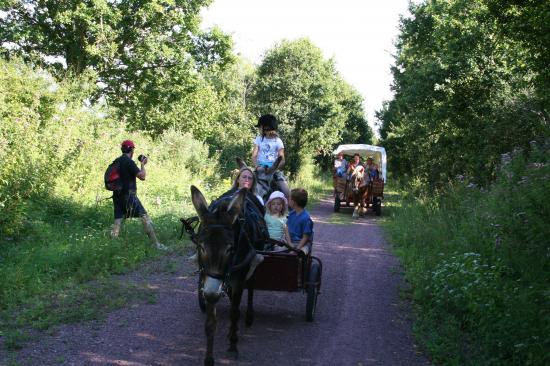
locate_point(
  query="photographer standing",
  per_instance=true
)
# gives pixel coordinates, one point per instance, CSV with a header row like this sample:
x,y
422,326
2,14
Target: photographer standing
x,y
125,201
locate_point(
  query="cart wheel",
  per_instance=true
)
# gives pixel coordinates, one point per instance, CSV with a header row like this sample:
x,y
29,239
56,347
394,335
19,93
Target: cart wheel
x,y
378,207
202,302
311,291
337,202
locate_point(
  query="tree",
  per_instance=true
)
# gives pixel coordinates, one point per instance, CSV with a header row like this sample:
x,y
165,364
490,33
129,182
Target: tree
x,y
147,54
295,83
462,96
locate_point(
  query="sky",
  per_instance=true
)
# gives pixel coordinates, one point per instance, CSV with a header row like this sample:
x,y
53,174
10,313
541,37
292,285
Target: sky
x,y
358,34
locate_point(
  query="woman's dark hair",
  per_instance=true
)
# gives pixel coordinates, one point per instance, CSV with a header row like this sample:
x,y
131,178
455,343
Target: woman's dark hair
x,y
126,149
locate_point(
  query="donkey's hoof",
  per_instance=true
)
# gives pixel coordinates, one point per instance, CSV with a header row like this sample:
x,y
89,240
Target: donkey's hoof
x,y
233,352
249,319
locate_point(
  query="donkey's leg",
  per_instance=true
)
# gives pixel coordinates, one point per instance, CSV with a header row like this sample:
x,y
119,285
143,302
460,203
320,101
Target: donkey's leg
x,y
250,305
235,315
210,329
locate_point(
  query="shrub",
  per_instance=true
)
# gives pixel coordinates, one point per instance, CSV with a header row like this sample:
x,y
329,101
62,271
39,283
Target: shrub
x,y
477,260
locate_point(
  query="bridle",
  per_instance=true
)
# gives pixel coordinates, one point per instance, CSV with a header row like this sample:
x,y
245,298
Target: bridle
x,y
358,177
190,226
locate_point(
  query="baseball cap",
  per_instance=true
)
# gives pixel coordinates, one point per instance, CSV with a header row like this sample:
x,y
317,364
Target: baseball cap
x,y
126,144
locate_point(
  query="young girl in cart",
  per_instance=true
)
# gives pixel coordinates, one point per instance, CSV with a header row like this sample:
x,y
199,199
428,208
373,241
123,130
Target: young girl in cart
x,y
275,217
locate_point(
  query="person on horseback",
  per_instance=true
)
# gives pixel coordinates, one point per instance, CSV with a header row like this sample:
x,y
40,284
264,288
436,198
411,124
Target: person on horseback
x,y
267,148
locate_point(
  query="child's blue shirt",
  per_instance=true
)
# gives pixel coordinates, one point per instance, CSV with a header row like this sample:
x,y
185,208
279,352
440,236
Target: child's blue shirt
x,y
299,224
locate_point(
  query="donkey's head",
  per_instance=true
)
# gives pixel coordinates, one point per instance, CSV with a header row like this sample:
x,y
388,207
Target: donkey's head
x,y
216,239
264,178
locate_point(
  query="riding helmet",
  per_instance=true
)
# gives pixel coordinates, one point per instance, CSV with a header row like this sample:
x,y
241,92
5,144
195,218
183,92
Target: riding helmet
x,y
268,122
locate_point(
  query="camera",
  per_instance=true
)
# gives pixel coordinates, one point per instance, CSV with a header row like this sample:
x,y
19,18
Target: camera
x,y
141,157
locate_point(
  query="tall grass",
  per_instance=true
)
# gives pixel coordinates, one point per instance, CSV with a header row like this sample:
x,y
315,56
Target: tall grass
x,y
479,265
55,213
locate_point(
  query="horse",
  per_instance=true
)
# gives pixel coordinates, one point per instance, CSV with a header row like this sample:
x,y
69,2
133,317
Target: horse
x,y
359,187
265,184
225,250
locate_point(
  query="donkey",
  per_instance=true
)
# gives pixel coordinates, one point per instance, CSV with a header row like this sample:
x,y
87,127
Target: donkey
x,y
359,188
264,178
225,250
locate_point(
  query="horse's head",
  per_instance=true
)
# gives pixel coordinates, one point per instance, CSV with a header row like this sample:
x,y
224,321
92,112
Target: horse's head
x,y
358,176
264,179
216,239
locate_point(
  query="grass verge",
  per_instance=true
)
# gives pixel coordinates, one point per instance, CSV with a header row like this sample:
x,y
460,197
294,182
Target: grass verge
x,y
478,264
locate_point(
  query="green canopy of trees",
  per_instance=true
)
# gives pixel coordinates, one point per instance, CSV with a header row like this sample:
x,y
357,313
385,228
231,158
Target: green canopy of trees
x,y
147,54
468,88
317,109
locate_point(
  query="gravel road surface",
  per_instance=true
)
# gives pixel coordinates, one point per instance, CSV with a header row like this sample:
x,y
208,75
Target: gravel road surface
x,y
360,319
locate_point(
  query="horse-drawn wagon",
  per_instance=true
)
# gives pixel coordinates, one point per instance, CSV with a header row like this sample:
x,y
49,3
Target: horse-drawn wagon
x,y
360,187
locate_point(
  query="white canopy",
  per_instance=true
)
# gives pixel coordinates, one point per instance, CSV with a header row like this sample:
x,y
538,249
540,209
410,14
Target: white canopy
x,y
377,153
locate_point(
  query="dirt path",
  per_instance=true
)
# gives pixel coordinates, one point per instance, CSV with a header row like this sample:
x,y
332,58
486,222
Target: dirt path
x,y
360,318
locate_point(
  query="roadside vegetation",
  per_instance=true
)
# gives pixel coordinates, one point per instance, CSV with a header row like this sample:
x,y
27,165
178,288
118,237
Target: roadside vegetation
x,y
477,262
60,128
468,138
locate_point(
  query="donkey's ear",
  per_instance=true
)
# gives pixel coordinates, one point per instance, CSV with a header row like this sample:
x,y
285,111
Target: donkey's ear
x,y
236,205
241,164
276,164
199,202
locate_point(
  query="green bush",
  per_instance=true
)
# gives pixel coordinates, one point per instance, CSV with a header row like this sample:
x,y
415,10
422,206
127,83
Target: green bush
x,y
478,264
56,213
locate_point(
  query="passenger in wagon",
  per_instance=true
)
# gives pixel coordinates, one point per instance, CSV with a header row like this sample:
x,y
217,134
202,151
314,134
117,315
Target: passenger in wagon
x,y
300,225
276,218
372,169
353,164
340,165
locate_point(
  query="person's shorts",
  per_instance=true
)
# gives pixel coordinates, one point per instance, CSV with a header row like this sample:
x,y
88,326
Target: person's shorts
x,y
127,205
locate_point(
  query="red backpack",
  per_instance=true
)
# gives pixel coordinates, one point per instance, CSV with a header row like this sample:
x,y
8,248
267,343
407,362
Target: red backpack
x,y
112,178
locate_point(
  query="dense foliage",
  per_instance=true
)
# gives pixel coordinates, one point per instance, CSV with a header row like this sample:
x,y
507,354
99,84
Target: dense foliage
x,y
147,55
477,260
469,85
38,165
471,109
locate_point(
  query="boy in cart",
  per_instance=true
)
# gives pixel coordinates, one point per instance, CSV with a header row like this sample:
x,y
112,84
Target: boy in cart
x,y
300,225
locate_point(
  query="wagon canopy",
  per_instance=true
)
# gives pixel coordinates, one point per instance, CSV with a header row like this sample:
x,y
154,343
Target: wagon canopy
x,y
377,153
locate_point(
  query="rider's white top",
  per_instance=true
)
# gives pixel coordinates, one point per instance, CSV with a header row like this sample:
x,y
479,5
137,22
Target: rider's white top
x,y
268,149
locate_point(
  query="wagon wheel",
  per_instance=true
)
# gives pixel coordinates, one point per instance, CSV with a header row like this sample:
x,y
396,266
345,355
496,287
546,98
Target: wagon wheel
x,y
311,290
378,207
337,202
